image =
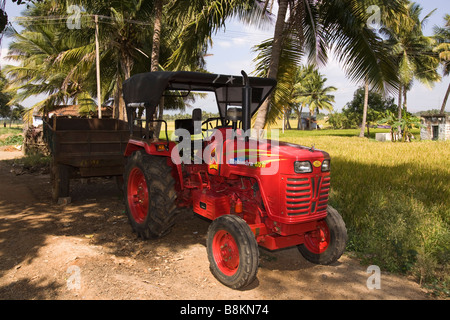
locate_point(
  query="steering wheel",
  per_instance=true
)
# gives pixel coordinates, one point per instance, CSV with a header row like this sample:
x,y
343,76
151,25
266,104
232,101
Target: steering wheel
x,y
210,128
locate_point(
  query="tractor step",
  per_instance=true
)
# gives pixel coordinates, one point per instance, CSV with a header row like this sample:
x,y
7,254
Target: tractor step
x,y
274,242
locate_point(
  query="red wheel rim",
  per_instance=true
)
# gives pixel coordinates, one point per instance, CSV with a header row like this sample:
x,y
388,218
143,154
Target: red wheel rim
x,y
317,241
137,195
226,252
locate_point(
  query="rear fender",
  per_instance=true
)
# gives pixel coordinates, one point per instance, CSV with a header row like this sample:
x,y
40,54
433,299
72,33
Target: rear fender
x,y
161,149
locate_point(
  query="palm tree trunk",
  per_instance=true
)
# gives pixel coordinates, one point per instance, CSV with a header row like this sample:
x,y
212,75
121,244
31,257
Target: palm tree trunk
x,y
287,116
399,116
119,111
156,36
127,65
366,104
155,58
300,120
405,104
445,99
274,63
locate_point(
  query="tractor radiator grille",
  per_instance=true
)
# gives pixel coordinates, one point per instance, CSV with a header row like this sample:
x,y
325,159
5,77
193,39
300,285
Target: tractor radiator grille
x,y
306,195
323,194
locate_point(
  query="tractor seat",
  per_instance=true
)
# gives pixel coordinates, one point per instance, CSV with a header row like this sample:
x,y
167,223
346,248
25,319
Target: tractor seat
x,y
234,114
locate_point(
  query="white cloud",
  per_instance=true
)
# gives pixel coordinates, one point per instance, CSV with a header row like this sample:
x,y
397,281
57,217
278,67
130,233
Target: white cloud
x,y
240,41
223,44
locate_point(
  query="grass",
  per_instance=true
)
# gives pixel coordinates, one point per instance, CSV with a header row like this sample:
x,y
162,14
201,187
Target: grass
x,y
10,136
395,200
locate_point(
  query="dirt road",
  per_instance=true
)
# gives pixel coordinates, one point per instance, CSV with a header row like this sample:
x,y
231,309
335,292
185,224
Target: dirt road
x,y
86,250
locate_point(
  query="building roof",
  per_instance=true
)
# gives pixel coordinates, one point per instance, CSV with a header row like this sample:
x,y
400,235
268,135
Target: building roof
x,y
65,111
441,115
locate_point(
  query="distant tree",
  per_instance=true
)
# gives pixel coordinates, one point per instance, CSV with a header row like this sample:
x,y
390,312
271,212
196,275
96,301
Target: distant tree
x,y
411,50
377,107
404,124
442,36
336,120
340,26
313,94
5,109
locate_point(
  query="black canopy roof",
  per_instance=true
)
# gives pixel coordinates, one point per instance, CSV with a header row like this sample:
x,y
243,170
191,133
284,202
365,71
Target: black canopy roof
x,y
149,87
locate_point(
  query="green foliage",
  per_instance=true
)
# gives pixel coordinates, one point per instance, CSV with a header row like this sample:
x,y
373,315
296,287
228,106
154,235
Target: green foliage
x,y
312,93
338,121
59,63
12,140
378,105
406,124
442,36
411,50
288,75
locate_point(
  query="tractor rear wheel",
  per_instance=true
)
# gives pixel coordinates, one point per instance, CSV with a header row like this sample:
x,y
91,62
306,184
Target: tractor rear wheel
x,y
233,252
149,195
326,244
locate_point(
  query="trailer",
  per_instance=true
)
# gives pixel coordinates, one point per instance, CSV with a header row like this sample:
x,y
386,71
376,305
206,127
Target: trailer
x,y
83,148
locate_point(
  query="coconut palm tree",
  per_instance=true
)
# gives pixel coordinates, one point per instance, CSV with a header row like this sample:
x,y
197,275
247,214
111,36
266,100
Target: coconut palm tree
x,y
124,32
200,19
365,107
411,50
299,89
337,25
60,62
288,77
43,68
442,36
314,94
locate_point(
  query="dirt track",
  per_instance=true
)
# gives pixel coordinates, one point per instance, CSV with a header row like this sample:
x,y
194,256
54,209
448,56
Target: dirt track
x,y
86,250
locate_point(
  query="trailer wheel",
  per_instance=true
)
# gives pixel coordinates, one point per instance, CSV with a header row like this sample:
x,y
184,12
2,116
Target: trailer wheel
x,y
326,244
149,195
233,252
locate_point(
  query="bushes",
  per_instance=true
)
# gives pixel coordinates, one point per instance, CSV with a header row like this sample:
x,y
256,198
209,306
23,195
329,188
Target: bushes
x,y
12,140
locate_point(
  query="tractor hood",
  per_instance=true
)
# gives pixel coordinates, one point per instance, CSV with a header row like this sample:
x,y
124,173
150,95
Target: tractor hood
x,y
286,154
283,150
298,152
263,153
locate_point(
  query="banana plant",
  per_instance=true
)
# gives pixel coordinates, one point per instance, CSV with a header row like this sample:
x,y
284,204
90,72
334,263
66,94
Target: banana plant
x,y
406,124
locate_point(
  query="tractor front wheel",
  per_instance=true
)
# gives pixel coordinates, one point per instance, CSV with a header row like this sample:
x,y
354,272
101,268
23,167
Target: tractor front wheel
x,y
233,252
327,242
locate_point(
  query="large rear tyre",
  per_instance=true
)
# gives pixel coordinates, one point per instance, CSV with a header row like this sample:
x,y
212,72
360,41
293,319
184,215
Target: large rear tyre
x,y
326,244
149,195
233,252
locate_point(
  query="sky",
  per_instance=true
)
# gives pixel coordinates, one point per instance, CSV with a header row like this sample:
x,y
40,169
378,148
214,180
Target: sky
x,y
232,51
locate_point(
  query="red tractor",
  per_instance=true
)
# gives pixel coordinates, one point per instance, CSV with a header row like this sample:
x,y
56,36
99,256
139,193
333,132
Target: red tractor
x,y
256,192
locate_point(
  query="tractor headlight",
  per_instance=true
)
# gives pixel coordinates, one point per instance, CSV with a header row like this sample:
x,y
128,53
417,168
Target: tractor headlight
x,y
326,165
302,167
